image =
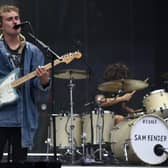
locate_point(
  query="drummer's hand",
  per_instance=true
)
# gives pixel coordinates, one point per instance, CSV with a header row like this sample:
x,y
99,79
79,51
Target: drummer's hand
x,y
128,96
103,101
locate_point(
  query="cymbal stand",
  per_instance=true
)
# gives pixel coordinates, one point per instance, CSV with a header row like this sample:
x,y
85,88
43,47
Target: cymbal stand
x,y
48,141
71,138
99,128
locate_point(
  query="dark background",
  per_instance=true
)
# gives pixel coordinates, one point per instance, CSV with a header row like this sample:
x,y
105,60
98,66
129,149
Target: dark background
x,y
109,31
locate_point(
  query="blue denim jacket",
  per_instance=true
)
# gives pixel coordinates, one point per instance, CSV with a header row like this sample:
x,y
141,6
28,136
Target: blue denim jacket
x,y
23,112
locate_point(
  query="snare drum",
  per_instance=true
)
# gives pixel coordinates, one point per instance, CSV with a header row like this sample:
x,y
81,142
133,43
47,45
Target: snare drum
x,y
157,103
63,130
137,140
102,125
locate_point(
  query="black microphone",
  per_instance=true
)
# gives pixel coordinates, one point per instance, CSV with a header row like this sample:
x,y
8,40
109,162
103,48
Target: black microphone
x,y
21,24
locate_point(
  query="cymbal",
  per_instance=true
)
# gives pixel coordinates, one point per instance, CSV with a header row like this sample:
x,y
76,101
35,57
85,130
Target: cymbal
x,y
73,74
126,85
111,86
129,85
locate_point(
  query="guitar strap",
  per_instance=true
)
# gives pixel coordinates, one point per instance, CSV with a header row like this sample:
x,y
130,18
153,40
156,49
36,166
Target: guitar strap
x,y
21,51
22,61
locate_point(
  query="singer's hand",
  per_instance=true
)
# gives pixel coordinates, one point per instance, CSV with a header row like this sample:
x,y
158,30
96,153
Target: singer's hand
x,y
43,75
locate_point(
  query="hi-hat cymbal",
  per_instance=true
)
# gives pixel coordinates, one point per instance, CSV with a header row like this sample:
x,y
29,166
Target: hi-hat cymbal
x,y
126,85
73,74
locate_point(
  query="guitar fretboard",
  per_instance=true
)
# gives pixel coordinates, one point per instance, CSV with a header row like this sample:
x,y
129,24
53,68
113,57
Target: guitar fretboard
x,y
64,59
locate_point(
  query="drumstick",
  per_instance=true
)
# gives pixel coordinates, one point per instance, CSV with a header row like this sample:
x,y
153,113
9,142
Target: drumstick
x,y
138,110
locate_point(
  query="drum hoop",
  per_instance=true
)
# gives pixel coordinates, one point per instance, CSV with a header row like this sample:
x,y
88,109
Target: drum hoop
x,y
104,111
64,115
55,115
157,91
108,112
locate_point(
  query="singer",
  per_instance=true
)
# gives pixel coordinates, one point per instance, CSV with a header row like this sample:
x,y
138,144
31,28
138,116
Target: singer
x,y
117,104
19,118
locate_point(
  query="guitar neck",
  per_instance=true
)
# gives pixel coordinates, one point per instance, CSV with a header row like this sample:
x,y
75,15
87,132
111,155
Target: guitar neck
x,y
31,75
64,59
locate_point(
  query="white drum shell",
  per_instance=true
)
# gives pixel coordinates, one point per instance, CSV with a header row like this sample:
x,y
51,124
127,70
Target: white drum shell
x,y
102,125
62,125
157,103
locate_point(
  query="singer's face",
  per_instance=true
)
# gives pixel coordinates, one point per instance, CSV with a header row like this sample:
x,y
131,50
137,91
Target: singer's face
x,y
9,19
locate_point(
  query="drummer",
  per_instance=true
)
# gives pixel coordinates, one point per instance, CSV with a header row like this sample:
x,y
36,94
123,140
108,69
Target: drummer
x,y
118,103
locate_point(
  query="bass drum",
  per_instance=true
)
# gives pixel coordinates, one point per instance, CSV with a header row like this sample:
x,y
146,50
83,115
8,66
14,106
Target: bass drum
x,y
157,103
138,140
102,125
62,126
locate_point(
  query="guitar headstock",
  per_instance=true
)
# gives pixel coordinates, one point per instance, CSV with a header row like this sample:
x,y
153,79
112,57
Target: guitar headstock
x,y
70,56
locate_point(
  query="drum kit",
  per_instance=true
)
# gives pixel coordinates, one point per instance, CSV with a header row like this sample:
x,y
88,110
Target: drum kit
x,y
141,139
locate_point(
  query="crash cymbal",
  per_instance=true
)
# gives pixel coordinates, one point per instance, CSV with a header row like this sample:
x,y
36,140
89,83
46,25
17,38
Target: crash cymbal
x,y
73,74
111,86
129,85
126,85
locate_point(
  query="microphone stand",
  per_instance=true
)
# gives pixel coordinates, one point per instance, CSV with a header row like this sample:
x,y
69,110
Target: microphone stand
x,y
49,50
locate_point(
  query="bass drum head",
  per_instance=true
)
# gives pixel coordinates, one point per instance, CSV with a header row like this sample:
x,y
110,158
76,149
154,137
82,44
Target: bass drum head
x,y
148,132
138,138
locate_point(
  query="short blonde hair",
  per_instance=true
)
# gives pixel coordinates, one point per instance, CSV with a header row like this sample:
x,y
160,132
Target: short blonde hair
x,y
7,8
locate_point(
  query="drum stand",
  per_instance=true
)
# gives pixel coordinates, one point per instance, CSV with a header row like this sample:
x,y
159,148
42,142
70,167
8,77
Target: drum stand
x,y
48,142
99,127
71,150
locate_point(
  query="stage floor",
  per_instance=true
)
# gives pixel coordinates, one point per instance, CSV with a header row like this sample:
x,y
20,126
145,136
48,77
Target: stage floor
x,y
112,166
111,163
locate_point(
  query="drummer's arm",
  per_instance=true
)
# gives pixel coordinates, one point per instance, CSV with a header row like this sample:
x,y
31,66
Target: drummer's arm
x,y
114,100
110,101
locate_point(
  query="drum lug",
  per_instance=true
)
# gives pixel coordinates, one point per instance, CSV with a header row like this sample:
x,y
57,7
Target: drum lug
x,y
131,124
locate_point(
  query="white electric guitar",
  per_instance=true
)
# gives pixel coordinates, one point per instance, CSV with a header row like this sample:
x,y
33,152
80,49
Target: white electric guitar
x,y
9,84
